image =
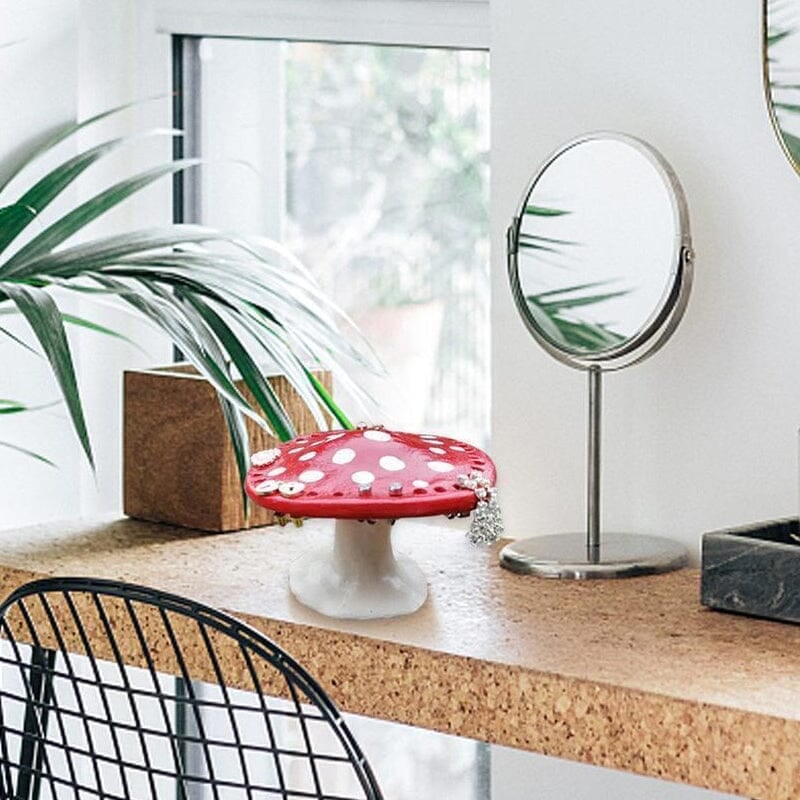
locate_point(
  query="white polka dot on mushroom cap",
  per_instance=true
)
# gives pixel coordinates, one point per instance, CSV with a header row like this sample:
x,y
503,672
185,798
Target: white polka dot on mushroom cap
x,y
391,463
437,450
311,476
307,456
277,471
377,436
264,457
362,476
344,456
458,449
333,437
295,449
440,466
420,484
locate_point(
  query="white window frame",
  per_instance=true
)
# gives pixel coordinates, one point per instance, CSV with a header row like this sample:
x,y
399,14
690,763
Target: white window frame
x,y
460,24
431,23
442,24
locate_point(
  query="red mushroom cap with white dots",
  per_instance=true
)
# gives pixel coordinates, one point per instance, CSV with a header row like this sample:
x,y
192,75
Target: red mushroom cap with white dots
x,y
367,473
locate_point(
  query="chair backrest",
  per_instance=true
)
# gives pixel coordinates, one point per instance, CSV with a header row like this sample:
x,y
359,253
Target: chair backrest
x,y
119,691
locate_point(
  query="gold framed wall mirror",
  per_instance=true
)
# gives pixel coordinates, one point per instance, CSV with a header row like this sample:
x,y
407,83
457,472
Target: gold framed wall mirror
x,y
781,70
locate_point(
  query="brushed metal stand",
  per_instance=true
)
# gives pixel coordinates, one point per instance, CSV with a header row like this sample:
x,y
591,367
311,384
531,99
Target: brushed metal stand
x,y
582,556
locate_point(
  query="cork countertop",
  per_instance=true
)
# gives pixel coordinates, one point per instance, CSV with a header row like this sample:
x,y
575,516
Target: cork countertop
x,y
632,674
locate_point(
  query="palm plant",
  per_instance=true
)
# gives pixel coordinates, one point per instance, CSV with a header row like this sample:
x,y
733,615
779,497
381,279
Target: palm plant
x,y
227,302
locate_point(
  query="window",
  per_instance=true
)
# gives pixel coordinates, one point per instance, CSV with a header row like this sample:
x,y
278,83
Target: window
x,y
370,162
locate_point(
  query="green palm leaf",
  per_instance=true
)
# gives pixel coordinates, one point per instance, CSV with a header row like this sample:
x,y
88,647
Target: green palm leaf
x,y
552,309
12,407
80,322
16,407
48,142
13,219
230,410
44,318
228,302
792,143
252,376
87,212
326,398
44,191
14,338
547,244
162,308
28,453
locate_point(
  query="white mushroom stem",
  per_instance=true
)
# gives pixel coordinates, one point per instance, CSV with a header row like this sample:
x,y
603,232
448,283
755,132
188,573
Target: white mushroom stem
x,y
359,577
361,549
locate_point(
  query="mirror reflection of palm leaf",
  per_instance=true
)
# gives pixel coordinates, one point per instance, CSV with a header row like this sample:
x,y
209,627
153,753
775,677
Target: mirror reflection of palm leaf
x,y
546,244
784,90
552,309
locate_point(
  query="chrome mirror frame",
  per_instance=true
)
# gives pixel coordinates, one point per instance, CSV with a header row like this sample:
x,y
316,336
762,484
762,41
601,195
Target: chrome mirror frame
x,y
663,320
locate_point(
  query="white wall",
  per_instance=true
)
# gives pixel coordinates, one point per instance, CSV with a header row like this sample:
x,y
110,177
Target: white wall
x,y
704,434
38,91
121,60
61,60
528,776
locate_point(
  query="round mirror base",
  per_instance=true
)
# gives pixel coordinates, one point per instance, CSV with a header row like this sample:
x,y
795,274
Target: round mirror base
x,y
620,555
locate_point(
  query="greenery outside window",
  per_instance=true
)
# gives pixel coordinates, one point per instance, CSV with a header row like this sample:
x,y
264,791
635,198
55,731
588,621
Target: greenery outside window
x,y
370,162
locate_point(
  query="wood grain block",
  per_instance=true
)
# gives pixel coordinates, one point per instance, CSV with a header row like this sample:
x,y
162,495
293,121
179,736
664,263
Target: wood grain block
x,y
178,460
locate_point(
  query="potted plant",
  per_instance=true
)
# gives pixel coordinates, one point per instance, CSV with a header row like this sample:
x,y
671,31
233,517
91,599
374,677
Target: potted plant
x,y
227,302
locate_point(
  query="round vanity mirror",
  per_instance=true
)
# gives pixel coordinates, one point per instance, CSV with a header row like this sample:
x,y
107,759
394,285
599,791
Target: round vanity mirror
x,y
600,266
782,72
595,251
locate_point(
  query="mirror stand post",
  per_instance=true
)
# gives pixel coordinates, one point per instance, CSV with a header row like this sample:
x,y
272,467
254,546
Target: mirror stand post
x,y
593,466
586,555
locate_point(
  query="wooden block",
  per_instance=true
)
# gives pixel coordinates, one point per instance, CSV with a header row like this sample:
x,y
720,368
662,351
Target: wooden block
x,y
178,460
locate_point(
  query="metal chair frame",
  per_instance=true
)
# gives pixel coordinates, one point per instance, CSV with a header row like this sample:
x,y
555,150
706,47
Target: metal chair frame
x,y
43,750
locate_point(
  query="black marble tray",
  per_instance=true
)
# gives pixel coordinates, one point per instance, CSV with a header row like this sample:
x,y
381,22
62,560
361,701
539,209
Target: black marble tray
x,y
754,570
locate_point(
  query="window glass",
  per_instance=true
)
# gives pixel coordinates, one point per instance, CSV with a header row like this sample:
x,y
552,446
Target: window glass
x,y
371,163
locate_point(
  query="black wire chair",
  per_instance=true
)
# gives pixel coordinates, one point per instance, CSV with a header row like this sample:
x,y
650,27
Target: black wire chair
x,y
116,691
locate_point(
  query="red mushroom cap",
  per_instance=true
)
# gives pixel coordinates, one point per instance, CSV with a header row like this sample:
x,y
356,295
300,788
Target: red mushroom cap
x,y
367,473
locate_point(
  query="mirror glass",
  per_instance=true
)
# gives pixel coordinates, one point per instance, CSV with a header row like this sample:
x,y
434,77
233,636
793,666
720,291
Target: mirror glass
x,y
597,247
782,72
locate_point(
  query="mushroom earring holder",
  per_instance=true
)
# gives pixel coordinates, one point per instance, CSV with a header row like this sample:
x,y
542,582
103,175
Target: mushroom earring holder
x,y
366,479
